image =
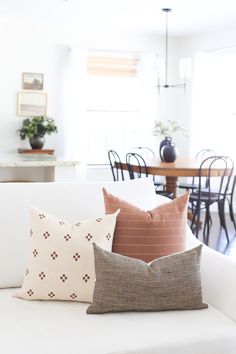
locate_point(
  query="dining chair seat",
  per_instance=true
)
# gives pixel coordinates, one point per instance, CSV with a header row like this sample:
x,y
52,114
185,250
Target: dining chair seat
x,y
188,186
228,195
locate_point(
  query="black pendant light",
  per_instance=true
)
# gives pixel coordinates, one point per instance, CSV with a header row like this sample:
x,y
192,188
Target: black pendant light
x,y
166,83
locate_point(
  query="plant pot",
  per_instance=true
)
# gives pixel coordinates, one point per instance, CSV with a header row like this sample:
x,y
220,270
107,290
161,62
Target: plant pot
x,y
37,142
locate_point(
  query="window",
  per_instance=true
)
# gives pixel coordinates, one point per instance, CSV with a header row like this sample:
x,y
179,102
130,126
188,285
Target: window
x,y
214,104
116,106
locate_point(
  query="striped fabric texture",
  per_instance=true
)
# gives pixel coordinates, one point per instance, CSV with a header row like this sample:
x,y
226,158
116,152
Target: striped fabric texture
x,y
148,235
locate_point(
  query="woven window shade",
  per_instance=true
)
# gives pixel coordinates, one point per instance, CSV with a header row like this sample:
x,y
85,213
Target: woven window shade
x,y
113,66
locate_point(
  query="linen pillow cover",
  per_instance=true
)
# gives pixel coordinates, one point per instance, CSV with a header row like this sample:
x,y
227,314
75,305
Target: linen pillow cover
x,y
126,284
148,235
61,260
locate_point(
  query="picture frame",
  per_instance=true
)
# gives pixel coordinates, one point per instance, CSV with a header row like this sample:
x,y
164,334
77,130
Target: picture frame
x,y
32,81
31,103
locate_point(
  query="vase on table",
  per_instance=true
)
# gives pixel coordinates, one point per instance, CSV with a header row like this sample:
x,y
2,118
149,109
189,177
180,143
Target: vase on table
x,y
169,153
163,143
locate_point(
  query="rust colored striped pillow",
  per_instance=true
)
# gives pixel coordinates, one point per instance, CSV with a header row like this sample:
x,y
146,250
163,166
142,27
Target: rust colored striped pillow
x,y
148,235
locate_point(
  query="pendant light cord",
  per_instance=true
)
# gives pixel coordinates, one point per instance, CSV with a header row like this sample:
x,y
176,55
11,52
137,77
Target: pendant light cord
x,y
166,61
166,85
166,54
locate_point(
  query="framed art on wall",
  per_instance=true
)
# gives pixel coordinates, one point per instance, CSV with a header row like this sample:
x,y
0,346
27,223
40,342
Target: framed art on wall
x,y
31,104
32,81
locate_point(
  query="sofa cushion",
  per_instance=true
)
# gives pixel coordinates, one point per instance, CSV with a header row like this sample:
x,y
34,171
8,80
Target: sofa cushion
x,y
67,200
59,327
127,284
61,262
148,235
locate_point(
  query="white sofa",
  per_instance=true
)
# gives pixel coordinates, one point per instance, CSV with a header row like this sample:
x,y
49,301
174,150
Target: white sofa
x,y
57,327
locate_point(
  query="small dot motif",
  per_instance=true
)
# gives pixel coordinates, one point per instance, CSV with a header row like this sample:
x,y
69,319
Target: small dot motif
x,y
61,262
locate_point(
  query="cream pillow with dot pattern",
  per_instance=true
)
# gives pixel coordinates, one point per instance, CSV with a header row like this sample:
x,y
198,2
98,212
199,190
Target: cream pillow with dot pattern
x,y
61,261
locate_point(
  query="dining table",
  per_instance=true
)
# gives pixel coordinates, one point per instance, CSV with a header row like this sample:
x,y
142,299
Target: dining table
x,y
181,167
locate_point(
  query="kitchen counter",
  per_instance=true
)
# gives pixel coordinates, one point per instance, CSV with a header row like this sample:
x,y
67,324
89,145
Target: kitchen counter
x,y
28,160
37,167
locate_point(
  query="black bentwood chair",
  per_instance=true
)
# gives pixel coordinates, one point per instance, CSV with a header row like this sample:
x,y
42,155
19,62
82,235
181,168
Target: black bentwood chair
x,y
145,151
148,154
214,191
116,170
229,195
201,155
137,168
229,198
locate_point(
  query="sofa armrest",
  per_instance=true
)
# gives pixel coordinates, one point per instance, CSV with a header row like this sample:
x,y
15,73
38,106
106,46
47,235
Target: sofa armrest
x,y
219,281
218,277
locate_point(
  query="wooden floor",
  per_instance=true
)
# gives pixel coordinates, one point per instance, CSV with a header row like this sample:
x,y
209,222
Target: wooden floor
x,y
217,238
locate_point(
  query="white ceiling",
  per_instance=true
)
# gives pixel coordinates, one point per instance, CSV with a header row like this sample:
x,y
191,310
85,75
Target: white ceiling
x,y
187,17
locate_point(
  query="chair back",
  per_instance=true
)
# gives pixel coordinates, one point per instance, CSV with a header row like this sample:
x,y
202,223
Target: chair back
x,y
218,171
204,153
217,185
116,167
201,156
233,188
145,151
193,185
136,165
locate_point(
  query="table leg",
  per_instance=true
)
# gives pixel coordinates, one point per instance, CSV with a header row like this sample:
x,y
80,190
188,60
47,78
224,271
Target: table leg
x,y
171,184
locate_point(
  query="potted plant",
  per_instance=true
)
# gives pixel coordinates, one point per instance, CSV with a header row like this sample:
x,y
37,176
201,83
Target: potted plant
x,y
35,129
166,129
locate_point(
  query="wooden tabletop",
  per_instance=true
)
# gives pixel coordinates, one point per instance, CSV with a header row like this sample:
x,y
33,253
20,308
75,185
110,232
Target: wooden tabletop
x,y
180,168
172,170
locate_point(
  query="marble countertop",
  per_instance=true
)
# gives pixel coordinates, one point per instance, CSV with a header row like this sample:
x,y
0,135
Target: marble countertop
x,y
28,160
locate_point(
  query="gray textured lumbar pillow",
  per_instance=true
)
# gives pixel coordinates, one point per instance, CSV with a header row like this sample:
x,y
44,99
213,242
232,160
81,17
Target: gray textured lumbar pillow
x,y
126,284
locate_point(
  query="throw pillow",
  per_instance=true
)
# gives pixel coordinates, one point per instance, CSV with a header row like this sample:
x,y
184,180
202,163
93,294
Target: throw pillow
x,y
152,234
61,261
127,284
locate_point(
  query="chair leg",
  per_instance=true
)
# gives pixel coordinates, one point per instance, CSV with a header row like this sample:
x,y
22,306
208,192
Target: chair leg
x,y
207,225
210,220
221,209
219,213
231,212
195,224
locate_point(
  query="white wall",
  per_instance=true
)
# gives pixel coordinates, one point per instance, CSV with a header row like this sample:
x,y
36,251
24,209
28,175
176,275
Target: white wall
x,y
173,101
25,48
22,52
190,47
